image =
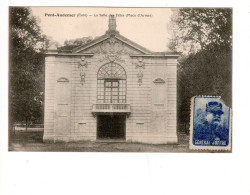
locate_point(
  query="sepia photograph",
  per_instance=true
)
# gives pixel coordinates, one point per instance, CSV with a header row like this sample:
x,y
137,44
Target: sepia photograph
x,y
102,79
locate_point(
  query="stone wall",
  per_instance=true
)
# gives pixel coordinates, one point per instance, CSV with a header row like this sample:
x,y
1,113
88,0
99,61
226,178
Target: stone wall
x,y
71,90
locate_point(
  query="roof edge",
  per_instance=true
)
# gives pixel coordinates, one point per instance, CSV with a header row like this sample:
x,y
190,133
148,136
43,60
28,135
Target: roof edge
x,y
156,55
67,54
133,44
90,44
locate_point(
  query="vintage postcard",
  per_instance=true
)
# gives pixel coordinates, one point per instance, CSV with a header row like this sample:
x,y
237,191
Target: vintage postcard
x,y
102,79
95,100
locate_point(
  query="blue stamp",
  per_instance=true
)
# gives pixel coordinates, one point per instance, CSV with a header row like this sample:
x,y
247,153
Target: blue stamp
x,y
210,125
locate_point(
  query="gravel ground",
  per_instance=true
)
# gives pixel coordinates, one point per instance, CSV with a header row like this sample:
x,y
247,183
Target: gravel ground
x,y
32,141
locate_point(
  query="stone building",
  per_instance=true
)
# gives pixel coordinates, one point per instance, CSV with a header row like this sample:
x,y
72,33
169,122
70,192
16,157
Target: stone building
x,y
110,89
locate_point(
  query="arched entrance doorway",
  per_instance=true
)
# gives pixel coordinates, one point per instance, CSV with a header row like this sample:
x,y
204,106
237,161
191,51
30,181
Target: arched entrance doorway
x,y
111,97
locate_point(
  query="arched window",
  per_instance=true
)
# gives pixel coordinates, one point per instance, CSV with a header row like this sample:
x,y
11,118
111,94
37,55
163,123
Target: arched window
x,y
62,80
159,81
111,81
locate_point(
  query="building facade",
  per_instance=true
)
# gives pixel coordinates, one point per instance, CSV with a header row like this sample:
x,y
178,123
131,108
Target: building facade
x,y
110,89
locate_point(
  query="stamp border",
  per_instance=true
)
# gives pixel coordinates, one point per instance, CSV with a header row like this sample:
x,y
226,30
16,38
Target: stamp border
x,y
214,148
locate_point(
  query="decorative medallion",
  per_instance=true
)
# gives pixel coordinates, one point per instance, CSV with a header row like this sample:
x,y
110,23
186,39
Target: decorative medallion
x,y
139,76
82,76
140,65
112,50
83,64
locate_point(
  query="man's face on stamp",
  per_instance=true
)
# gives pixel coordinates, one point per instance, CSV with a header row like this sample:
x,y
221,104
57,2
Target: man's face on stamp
x,y
213,113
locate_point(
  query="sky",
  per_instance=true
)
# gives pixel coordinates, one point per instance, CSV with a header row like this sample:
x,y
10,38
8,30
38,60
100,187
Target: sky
x,y
145,26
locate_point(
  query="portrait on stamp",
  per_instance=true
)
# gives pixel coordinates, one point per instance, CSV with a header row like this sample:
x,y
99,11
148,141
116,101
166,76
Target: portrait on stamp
x,y
210,123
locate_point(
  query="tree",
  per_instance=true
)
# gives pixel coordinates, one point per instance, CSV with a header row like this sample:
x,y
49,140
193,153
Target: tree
x,y
73,43
204,37
26,66
78,41
208,72
196,28
70,44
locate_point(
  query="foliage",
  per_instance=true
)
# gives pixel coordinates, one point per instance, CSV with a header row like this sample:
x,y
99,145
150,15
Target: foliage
x,y
26,66
73,43
204,37
197,28
78,41
208,72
